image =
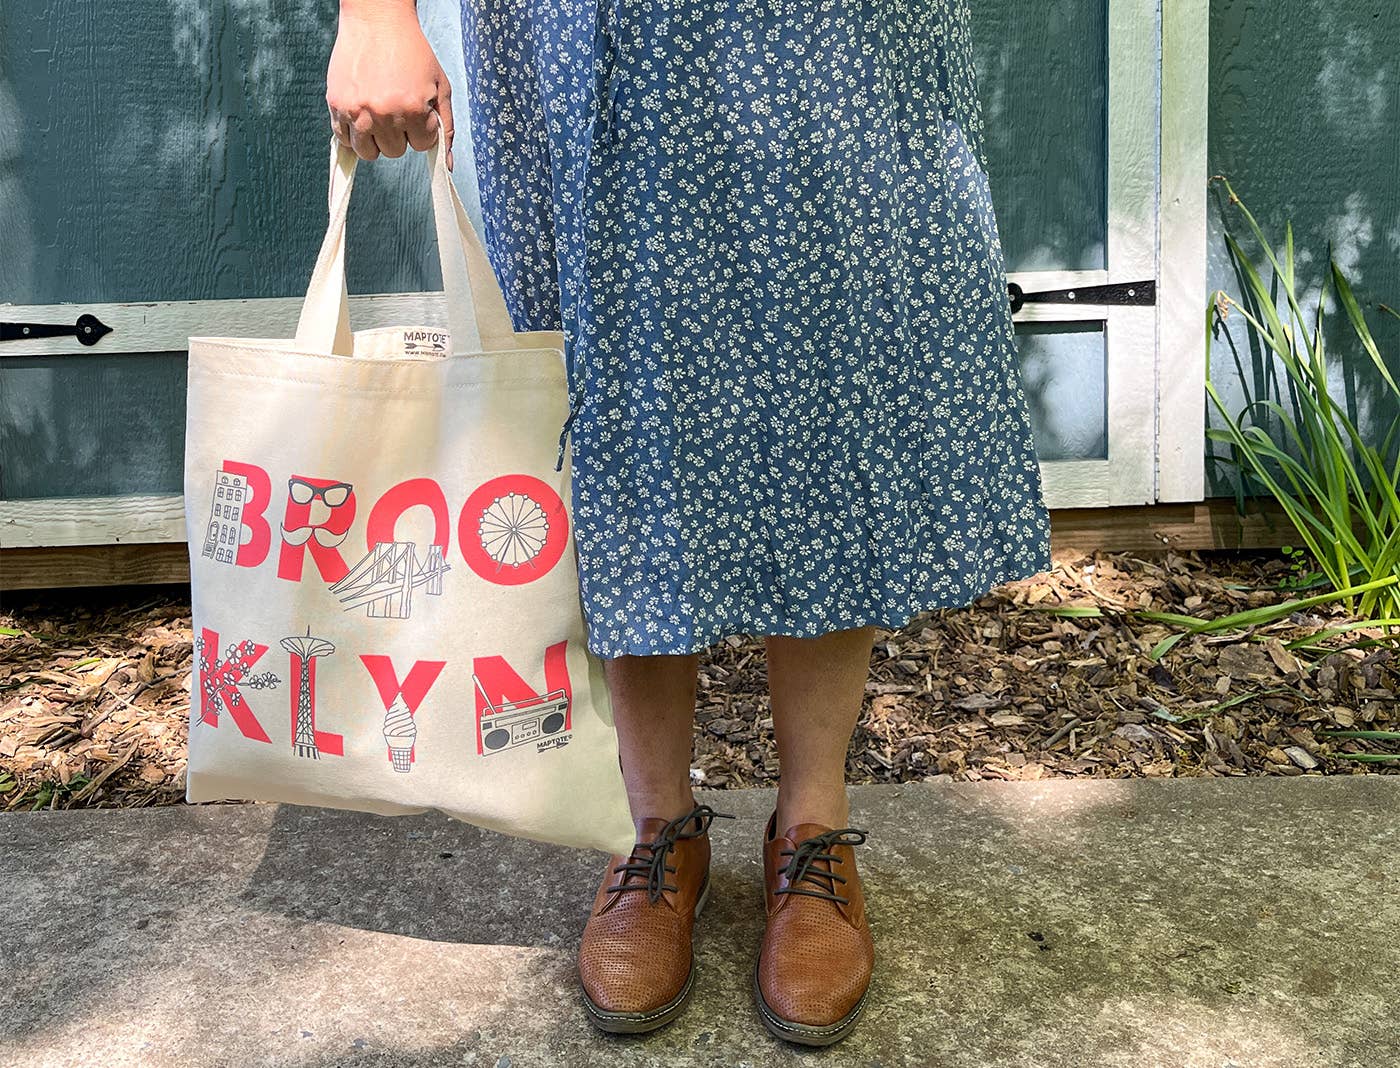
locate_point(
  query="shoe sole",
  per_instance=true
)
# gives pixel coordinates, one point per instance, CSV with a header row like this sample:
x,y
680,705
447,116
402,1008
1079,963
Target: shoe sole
x,y
636,1023
800,1033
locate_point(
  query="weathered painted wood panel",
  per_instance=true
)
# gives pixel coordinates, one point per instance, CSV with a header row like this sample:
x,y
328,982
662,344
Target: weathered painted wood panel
x,y
1305,122
1043,77
177,151
1063,368
174,151
80,426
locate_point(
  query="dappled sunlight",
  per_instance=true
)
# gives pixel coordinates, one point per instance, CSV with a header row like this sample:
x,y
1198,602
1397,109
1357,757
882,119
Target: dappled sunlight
x,y
1045,129
1064,374
1127,925
17,264
234,930
1303,126
1050,805
1183,1032
1049,815
1353,83
271,64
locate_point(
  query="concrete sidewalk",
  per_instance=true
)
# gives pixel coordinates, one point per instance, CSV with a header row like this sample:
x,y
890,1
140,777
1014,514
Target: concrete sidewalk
x,y
1250,922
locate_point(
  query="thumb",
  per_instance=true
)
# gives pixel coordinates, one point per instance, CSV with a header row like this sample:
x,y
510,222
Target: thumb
x,y
446,127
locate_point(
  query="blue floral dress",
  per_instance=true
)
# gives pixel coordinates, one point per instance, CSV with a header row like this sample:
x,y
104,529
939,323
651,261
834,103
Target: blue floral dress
x,y
766,230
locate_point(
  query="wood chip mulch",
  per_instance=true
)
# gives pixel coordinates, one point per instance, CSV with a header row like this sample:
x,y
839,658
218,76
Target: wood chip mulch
x,y
95,688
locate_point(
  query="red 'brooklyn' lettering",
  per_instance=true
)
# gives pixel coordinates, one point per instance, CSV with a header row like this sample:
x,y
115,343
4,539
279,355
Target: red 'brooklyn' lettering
x,y
254,551
498,684
413,689
218,684
334,503
415,491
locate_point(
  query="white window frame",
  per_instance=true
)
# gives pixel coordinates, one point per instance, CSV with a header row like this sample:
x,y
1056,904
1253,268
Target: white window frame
x,y
1182,287
1155,355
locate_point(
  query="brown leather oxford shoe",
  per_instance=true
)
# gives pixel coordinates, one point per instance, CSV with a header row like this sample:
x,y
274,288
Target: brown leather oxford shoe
x,y
635,960
817,956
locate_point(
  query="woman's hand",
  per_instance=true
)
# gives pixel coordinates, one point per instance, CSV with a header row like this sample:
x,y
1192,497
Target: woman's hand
x,y
385,88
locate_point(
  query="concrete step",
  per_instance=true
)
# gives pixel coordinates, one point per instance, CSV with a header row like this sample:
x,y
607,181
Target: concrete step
x,y
1212,923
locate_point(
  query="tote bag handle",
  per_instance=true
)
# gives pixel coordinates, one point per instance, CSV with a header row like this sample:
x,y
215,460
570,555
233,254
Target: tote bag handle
x,y
476,308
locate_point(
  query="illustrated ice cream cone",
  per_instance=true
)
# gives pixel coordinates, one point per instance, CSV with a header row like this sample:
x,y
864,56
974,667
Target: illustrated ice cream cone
x,y
400,733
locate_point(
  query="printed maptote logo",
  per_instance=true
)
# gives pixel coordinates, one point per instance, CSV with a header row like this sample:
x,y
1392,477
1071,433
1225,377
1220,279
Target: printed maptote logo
x,y
225,530
511,714
307,741
402,701
426,342
384,580
513,529
220,680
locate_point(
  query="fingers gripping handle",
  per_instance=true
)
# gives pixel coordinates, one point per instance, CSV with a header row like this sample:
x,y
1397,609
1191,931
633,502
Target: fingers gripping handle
x,y
476,308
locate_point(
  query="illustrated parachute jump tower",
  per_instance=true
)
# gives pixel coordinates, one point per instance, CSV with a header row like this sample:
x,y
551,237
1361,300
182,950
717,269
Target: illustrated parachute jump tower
x,y
306,649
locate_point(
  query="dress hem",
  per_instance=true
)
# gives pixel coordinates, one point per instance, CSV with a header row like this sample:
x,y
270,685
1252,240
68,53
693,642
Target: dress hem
x,y
715,634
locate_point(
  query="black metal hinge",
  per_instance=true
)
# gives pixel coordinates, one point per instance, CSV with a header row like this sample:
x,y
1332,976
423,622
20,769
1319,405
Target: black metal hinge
x,y
89,330
1139,293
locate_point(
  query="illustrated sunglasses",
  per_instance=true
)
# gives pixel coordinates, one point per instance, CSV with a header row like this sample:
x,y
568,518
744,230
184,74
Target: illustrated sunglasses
x,y
334,495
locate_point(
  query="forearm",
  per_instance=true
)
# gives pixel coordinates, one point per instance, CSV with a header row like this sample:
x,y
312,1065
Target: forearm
x,y
374,10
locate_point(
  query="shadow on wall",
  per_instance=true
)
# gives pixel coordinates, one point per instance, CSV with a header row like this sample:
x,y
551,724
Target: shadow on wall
x,y
1045,121
1307,128
88,425
175,150
1064,367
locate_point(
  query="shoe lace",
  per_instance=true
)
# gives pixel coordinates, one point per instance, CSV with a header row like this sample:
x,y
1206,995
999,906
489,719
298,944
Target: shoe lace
x,y
810,881
652,867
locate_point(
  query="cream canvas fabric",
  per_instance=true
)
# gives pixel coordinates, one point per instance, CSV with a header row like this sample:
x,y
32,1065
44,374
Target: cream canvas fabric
x,y
385,593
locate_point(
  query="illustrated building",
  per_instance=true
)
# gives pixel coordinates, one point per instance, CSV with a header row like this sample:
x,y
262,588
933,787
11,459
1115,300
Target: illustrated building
x,y
225,528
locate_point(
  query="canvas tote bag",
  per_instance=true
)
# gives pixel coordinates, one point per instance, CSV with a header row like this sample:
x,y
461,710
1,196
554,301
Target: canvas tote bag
x,y
385,595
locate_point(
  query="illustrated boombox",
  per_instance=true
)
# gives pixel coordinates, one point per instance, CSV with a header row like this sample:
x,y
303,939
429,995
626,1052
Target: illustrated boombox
x,y
538,718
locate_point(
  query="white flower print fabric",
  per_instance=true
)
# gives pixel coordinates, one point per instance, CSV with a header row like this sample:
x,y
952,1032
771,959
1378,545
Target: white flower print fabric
x,y
767,233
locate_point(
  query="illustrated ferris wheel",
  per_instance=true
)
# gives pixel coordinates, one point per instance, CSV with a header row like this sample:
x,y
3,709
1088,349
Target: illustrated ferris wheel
x,y
513,530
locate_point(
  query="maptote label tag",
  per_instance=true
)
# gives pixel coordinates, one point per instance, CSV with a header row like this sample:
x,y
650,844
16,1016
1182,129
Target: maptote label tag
x,y
427,342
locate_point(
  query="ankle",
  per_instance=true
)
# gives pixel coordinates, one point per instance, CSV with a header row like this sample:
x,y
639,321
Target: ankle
x,y
826,806
656,805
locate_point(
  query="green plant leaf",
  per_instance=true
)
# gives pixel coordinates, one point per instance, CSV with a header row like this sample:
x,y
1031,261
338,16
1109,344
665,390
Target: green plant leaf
x,y
1358,323
1335,487
1165,645
1367,758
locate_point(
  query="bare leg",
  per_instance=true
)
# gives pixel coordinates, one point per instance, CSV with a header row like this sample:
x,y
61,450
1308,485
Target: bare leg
x,y
653,699
817,687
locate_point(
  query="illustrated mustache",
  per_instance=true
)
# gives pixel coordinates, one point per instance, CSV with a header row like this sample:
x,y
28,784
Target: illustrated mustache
x,y
324,538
